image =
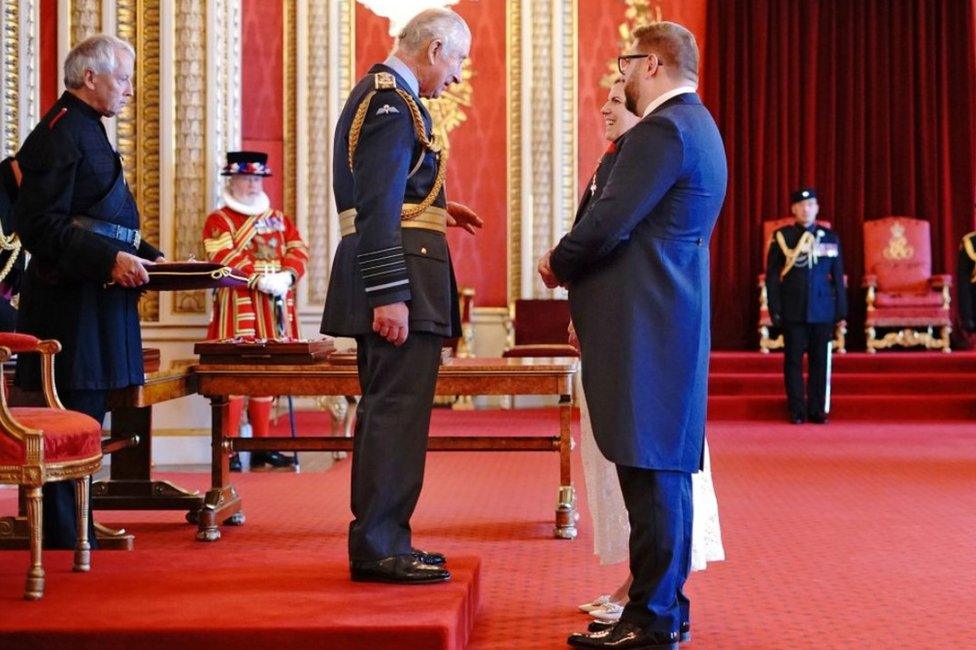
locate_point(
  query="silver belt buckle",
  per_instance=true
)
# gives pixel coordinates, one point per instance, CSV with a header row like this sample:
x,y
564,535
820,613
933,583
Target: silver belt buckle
x,y
136,239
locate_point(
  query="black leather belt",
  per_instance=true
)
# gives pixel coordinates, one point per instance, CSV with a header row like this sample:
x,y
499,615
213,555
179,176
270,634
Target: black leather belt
x,y
115,231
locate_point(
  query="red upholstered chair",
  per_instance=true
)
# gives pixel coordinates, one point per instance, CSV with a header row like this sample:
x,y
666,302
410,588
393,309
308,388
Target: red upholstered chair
x,y
902,293
42,444
538,328
767,341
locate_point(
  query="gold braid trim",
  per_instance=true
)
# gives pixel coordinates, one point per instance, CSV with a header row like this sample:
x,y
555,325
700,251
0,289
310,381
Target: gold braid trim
x,y
421,130
967,243
792,253
11,243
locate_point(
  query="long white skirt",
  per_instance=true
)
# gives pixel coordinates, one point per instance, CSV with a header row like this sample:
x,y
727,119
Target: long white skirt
x,y
611,528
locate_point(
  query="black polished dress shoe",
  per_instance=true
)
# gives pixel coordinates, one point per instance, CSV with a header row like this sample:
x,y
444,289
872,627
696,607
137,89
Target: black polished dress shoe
x,y
626,636
797,418
819,419
598,626
275,459
425,557
397,569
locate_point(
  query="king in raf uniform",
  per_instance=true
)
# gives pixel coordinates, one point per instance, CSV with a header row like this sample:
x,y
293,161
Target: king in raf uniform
x,y
392,285
77,218
805,284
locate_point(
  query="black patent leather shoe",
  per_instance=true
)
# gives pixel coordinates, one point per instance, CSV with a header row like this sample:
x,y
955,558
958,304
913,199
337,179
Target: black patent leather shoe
x,y
397,569
819,418
425,557
275,459
598,626
625,635
797,418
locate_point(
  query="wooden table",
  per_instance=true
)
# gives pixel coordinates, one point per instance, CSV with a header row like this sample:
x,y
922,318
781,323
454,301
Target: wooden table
x,y
472,376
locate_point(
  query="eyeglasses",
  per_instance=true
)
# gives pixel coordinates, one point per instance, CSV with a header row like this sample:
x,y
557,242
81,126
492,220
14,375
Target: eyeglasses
x,y
624,59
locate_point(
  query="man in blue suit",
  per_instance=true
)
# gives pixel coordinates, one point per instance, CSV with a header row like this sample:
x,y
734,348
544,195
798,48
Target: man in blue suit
x,y
637,268
392,285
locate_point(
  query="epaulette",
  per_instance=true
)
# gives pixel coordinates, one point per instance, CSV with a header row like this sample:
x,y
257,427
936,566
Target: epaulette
x,y
384,81
57,118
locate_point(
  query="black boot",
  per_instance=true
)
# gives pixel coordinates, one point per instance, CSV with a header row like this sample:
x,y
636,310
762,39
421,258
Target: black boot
x,y
275,459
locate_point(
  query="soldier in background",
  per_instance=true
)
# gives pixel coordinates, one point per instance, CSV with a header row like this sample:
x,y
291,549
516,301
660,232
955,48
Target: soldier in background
x,y
77,218
392,285
805,284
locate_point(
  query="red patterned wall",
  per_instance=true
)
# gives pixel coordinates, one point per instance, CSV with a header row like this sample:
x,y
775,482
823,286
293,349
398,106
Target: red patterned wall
x,y
599,44
262,99
477,171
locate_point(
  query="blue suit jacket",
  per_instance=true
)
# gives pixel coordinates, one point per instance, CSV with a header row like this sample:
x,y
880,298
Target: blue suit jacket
x,y
638,271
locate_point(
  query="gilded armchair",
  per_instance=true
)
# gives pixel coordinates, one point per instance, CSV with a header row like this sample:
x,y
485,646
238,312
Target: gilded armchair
x,y
903,296
43,444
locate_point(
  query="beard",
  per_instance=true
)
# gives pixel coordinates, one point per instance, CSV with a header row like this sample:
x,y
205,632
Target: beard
x,y
631,95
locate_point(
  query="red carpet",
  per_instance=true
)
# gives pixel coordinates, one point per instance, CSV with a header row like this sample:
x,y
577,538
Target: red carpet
x,y
887,387
854,535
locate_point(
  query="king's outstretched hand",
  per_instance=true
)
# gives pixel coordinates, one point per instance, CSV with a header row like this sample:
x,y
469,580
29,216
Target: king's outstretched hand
x,y
461,216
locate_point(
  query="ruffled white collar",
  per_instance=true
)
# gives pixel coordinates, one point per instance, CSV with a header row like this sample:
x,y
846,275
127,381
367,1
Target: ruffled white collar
x,y
260,206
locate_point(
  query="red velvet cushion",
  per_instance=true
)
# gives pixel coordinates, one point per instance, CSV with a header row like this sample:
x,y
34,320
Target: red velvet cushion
x,y
68,435
894,299
18,342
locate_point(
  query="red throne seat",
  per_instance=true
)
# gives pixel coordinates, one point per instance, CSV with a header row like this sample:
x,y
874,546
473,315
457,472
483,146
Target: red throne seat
x,y
902,292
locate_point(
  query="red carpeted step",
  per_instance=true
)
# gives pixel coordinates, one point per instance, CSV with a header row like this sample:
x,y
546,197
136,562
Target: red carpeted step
x,y
896,362
280,581
848,383
884,408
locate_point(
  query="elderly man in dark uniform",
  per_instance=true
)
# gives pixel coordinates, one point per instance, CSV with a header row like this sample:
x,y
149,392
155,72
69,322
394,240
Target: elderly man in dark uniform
x,y
393,287
77,218
805,285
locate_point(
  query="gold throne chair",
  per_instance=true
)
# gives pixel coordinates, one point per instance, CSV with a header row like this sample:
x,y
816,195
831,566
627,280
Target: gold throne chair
x,y
903,295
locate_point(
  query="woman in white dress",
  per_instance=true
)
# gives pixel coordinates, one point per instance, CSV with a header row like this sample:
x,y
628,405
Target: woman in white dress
x,y
611,529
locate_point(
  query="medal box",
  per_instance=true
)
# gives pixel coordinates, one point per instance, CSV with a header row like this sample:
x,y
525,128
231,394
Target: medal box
x,y
262,351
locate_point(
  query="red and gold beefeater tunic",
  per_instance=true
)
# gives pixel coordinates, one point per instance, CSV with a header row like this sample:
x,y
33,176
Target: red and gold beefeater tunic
x,y
264,243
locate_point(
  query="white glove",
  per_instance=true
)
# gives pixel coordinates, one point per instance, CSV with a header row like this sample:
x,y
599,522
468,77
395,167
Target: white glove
x,y
275,284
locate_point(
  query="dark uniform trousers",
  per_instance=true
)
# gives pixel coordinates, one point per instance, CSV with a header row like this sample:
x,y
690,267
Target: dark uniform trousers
x,y
59,496
659,507
812,338
390,445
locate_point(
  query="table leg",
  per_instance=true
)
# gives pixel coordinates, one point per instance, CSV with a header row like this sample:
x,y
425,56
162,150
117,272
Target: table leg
x,y
222,503
566,514
130,485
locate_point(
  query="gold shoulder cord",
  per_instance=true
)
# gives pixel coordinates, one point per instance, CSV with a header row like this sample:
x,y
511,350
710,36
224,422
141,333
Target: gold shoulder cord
x,y
792,253
11,243
384,83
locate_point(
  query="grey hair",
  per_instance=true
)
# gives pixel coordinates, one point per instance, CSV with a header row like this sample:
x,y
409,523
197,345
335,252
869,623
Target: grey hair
x,y
431,24
98,54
